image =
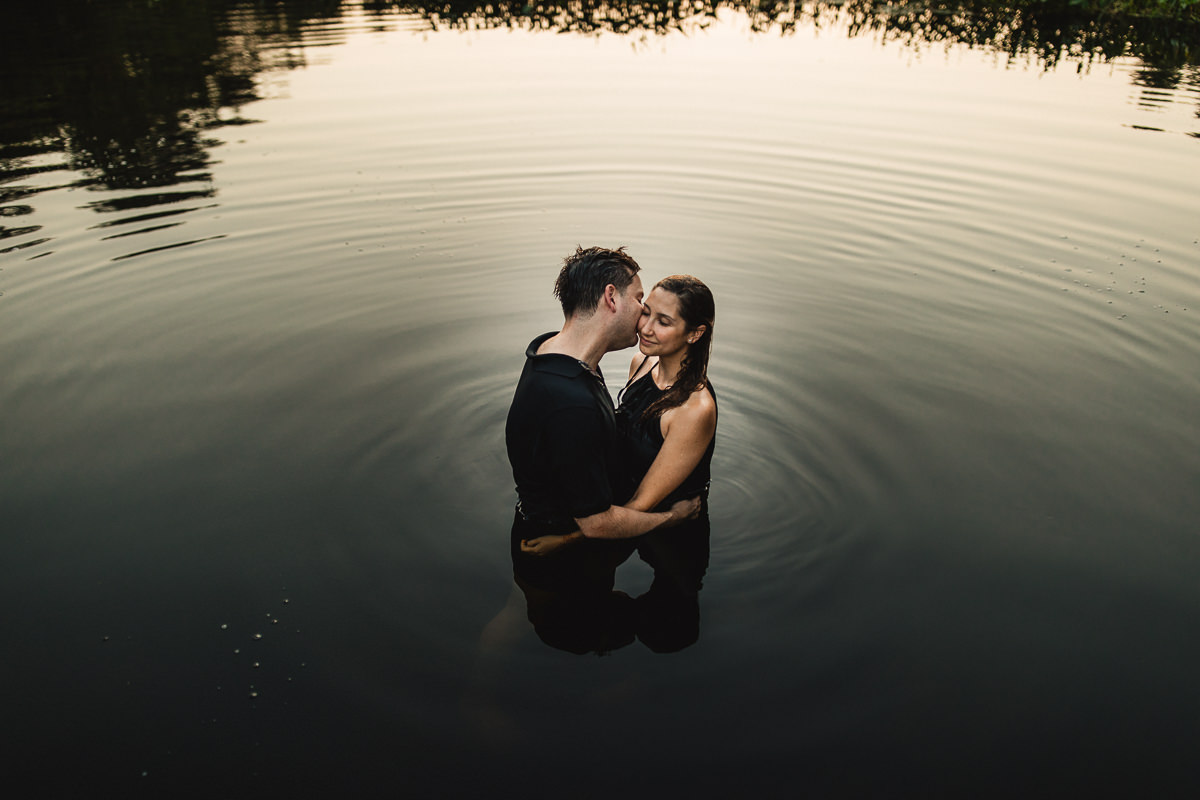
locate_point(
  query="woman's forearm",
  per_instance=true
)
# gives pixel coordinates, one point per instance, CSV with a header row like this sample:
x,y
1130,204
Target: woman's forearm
x,y
639,502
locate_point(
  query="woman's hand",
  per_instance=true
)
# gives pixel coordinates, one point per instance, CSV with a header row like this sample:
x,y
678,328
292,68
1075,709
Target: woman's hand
x,y
545,545
683,510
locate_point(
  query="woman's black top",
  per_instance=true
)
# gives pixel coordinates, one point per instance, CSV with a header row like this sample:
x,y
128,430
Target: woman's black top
x,y
642,438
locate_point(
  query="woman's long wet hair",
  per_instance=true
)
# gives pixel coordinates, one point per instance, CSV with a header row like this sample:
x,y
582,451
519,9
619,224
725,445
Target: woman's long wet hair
x,y
697,308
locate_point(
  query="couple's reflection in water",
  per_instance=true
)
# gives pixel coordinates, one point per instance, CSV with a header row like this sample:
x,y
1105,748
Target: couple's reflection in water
x,y
593,617
570,601
569,597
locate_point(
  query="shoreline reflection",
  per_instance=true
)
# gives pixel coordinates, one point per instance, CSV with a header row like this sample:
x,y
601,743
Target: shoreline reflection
x,y
128,96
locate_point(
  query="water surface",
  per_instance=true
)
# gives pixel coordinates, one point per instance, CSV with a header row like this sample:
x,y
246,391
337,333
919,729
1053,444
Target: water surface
x,y
261,322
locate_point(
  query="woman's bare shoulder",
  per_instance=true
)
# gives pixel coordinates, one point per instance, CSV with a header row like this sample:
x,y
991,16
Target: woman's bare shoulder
x,y
698,413
701,401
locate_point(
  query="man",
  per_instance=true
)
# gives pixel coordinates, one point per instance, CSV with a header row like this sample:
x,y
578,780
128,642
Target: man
x,y
561,431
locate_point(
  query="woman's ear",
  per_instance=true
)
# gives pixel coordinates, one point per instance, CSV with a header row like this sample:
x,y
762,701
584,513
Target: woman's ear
x,y
697,334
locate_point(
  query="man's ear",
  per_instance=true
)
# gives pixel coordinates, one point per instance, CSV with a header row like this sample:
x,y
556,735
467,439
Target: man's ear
x,y
610,297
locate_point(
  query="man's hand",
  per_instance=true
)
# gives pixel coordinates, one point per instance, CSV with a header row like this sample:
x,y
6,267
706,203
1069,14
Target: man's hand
x,y
545,545
683,511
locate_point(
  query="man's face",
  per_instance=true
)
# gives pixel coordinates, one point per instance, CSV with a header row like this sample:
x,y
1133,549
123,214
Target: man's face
x,y
629,312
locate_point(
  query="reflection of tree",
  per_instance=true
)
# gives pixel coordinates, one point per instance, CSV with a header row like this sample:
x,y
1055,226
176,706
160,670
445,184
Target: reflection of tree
x,y
1049,30
579,16
128,88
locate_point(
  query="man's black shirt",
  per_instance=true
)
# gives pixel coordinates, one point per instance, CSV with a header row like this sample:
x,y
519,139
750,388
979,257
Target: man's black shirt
x,y
561,436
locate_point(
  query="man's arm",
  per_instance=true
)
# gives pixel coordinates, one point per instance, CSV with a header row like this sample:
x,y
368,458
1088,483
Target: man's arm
x,y
576,440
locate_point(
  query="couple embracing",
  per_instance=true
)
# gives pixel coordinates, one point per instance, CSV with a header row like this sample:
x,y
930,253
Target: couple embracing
x,y
594,479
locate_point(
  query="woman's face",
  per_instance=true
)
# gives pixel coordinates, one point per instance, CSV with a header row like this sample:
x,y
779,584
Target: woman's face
x,y
662,331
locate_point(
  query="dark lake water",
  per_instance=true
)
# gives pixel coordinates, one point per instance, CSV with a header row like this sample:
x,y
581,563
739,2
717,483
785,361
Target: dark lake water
x,y
268,271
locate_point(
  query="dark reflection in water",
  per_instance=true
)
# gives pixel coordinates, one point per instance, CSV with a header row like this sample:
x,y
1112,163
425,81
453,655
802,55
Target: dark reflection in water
x,y
669,612
129,92
665,618
1048,30
123,88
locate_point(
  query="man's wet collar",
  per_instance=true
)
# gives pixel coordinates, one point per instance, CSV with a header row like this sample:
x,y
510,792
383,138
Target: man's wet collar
x,y
559,363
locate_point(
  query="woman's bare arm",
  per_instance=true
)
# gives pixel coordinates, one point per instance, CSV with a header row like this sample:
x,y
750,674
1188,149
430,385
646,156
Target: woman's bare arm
x,y
616,522
687,430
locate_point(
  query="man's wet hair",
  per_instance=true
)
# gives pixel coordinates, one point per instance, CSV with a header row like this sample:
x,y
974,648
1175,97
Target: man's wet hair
x,y
584,275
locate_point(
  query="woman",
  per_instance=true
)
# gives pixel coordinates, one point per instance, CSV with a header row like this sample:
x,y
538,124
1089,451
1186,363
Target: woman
x,y
668,411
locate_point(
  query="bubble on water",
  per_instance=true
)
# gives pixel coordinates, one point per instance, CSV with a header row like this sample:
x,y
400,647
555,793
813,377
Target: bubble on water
x,y
285,601
253,695
274,622
255,665
257,636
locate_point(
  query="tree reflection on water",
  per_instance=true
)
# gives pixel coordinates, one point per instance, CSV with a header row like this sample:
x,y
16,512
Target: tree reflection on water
x,y
129,90
1050,31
